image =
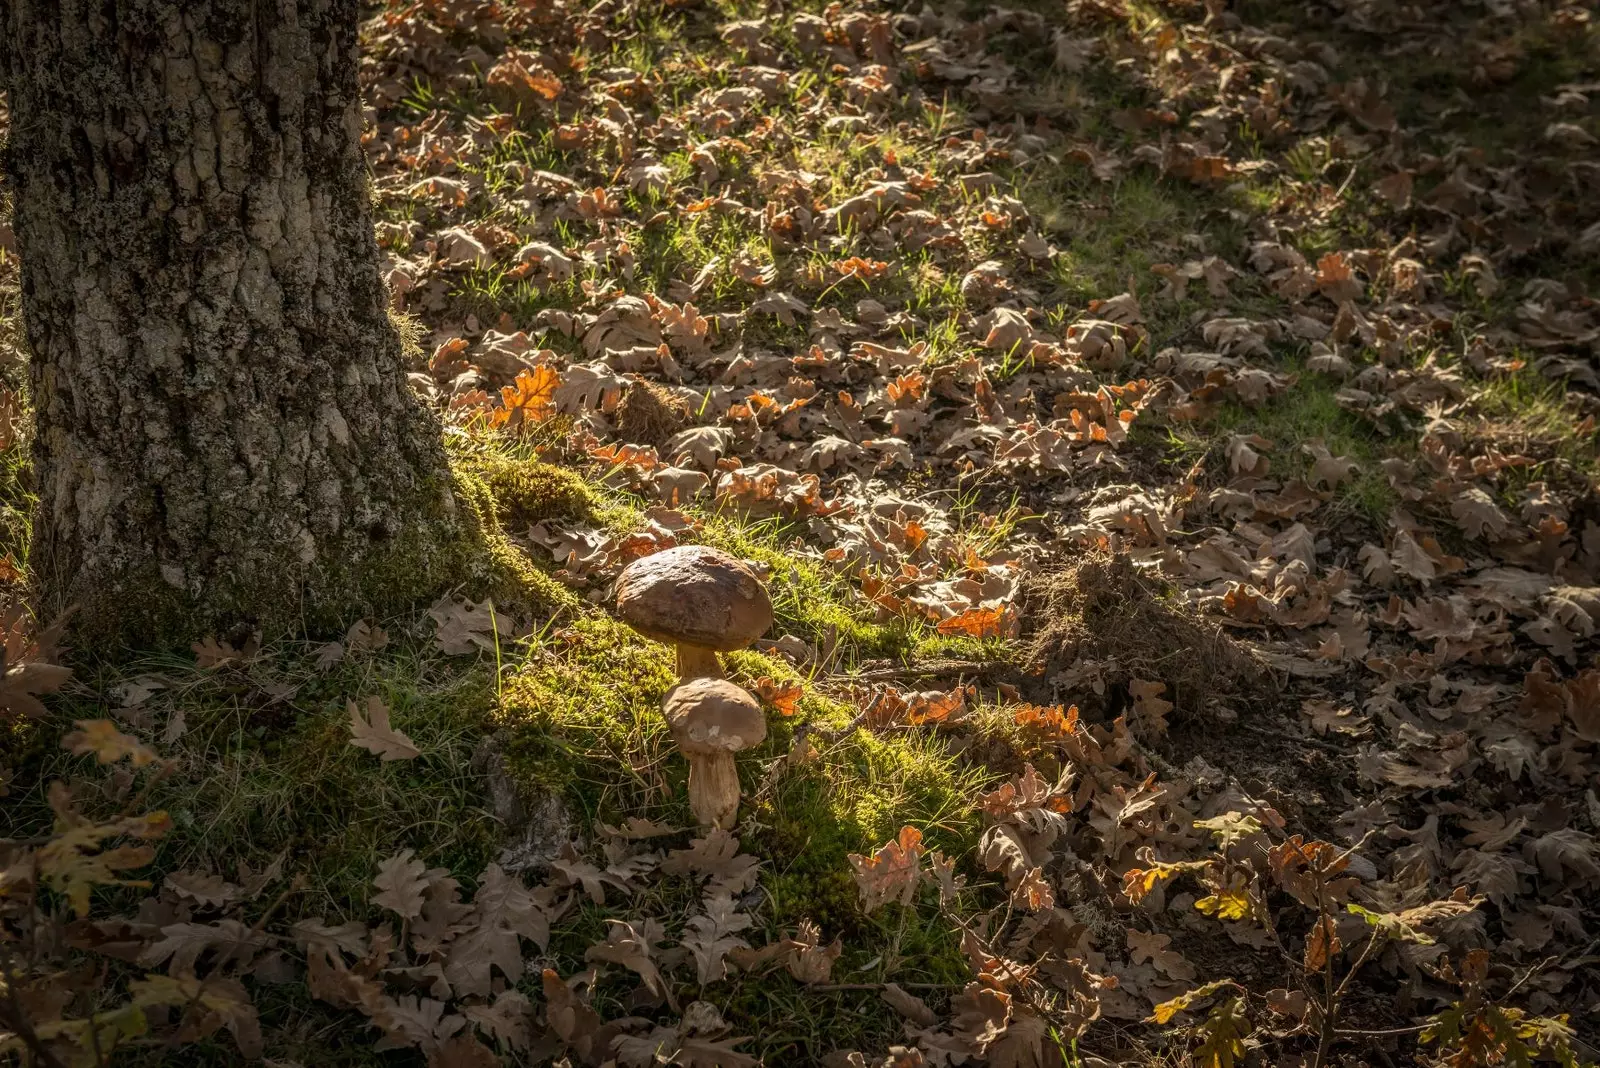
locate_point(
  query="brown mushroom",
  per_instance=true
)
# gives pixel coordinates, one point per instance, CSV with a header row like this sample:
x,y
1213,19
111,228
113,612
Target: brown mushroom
x,y
712,719
700,599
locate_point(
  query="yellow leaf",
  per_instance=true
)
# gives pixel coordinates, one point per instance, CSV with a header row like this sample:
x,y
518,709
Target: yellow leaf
x,y
1225,905
1165,1011
109,745
1138,883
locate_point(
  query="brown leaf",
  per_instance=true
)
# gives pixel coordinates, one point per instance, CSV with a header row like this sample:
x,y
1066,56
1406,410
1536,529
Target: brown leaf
x,y
402,882
910,1006
209,1005
573,1021
717,857
372,732
1322,943
782,696
463,1051
509,1020
185,943
630,947
212,653
202,887
504,913
809,961
1149,708
892,873
463,627
710,937
1154,948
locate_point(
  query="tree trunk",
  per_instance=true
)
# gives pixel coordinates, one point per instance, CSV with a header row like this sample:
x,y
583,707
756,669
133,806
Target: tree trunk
x,y
224,434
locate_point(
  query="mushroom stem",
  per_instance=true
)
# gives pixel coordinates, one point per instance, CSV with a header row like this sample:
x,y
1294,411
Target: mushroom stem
x,y
714,789
698,662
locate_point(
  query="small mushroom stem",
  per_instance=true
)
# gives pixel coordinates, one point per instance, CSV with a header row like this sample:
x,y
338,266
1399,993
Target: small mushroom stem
x,y
698,662
714,789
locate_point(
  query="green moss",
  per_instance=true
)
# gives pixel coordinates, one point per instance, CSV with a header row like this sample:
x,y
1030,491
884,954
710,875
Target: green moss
x,y
498,491
582,709
527,492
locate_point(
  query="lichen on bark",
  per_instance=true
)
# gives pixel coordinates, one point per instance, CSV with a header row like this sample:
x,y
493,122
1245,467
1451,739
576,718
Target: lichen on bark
x,y
224,435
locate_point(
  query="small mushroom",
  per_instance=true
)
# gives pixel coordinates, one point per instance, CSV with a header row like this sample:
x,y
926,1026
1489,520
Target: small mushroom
x,y
697,598
712,719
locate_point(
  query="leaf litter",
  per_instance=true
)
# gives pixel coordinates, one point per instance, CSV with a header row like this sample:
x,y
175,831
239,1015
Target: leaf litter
x,y
1288,720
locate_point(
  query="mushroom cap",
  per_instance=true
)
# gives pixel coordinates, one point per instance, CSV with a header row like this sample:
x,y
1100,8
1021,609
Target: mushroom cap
x,y
713,715
694,595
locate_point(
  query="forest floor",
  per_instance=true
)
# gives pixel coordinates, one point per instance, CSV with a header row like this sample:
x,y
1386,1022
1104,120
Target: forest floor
x,y
1168,433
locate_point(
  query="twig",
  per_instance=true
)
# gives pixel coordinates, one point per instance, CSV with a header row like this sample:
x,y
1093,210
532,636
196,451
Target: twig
x,y
935,669
1317,742
884,986
1349,1033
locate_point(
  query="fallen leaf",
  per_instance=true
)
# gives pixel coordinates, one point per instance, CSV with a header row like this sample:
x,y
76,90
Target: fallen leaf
x,y
371,731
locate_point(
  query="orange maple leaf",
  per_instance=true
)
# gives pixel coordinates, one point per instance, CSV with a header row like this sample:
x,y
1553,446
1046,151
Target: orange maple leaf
x,y
978,622
783,696
856,267
527,400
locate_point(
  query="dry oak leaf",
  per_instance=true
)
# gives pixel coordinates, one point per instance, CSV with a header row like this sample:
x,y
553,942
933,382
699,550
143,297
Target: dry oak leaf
x,y
1300,867
1165,1011
1336,281
203,888
67,864
509,1020
892,873
504,911
637,827
207,1005
981,622
908,1005
463,1050
1154,948
528,399
696,1042
1330,716
716,857
631,947
25,673
462,627
212,653
712,936
809,960
402,883
1028,791
573,1021
1327,469
109,745
186,943
1053,723
575,871
1149,707
371,731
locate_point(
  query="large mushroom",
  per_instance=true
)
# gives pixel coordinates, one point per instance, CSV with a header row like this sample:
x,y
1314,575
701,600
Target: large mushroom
x,y
699,599
712,719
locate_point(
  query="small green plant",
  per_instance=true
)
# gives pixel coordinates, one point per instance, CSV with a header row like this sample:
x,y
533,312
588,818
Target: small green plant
x,y
1246,879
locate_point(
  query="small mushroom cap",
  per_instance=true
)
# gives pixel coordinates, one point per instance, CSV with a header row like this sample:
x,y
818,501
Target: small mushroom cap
x,y
708,715
694,595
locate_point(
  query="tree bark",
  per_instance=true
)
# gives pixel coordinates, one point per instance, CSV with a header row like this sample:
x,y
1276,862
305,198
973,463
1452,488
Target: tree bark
x,y
224,434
